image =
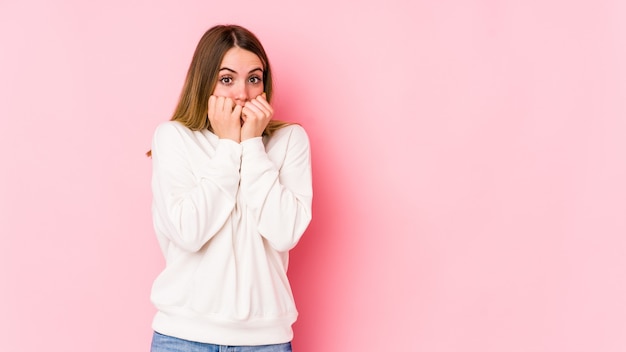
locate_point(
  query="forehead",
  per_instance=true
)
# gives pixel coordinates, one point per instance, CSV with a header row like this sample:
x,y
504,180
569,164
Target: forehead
x,y
241,58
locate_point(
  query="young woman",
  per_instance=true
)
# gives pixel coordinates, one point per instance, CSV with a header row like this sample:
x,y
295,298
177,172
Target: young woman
x,y
231,196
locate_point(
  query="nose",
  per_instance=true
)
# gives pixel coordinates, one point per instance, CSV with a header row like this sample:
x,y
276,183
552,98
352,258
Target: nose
x,y
240,93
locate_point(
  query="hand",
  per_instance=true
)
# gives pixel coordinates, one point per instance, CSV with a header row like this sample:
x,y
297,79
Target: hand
x,y
256,114
225,118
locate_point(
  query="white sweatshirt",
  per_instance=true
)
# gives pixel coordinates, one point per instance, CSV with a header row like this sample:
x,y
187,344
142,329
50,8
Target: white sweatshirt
x,y
226,215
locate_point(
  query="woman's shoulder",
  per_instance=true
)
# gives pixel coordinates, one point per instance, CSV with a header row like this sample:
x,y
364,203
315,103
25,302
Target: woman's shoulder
x,y
291,130
290,136
172,133
171,129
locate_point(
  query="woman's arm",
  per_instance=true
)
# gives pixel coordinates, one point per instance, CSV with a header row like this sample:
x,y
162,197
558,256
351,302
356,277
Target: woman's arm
x,y
279,197
190,205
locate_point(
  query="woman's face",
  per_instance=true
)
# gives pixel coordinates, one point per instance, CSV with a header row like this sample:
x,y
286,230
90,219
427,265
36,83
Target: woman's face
x,y
240,77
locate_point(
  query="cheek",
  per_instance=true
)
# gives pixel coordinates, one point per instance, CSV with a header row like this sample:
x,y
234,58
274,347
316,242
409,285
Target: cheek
x,y
256,90
220,91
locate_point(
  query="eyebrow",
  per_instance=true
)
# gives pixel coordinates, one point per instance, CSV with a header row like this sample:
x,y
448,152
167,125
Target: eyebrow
x,y
233,71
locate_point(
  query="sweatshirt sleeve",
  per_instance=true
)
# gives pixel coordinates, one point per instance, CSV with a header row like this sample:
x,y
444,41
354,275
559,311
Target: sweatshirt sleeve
x,y
191,202
280,197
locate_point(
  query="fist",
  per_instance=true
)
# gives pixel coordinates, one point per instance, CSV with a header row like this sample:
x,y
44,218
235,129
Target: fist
x,y
225,118
256,114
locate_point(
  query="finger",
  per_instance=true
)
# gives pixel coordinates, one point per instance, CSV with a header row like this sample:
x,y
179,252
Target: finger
x,y
237,111
228,105
250,109
211,110
261,110
261,104
219,105
262,98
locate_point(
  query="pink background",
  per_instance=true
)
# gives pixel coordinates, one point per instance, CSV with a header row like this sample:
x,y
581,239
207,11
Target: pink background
x,y
469,169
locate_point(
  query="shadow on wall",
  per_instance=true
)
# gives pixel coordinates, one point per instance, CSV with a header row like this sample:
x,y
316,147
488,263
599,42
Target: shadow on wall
x,y
319,251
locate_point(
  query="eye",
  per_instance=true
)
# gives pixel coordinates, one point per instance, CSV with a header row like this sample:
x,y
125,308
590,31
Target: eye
x,y
226,80
255,80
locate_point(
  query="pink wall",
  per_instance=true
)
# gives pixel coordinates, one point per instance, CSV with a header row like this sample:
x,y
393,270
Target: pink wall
x,y
469,163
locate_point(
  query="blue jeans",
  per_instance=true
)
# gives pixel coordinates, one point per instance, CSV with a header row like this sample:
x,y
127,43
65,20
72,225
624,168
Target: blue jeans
x,y
164,343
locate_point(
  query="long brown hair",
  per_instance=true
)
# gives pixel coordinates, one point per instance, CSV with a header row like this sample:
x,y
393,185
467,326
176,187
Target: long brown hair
x,y
203,72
